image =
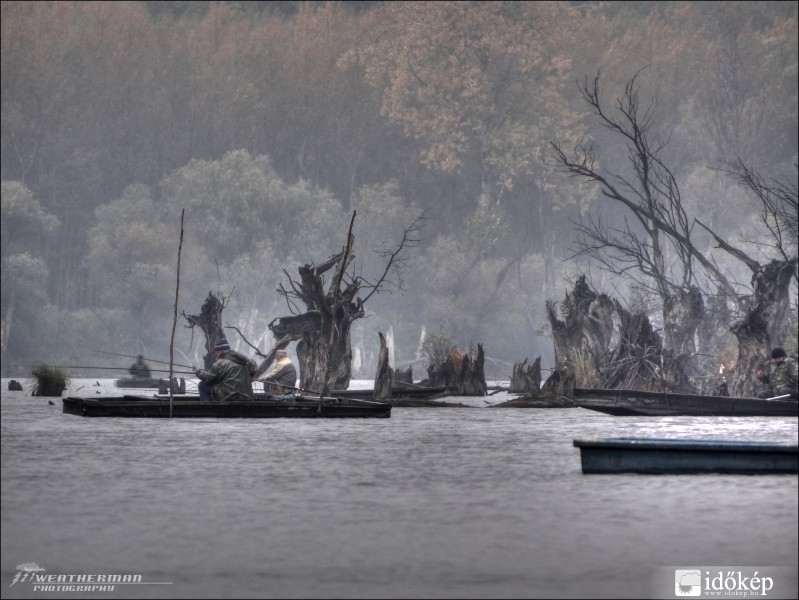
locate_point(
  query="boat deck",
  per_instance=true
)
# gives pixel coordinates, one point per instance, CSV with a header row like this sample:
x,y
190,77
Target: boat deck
x,y
191,407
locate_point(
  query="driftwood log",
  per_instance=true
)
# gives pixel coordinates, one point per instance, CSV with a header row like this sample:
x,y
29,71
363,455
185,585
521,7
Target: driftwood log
x,y
537,401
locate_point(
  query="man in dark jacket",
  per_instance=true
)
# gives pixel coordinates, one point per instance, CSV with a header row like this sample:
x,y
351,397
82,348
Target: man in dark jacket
x,y
283,376
781,378
230,377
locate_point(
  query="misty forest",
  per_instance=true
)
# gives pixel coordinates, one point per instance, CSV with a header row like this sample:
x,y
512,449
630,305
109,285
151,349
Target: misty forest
x,y
609,186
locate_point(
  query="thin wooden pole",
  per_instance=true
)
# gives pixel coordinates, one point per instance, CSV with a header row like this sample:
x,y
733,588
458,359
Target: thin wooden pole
x,y
175,319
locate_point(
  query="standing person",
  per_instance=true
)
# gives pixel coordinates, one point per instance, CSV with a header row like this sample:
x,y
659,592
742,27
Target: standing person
x,y
229,378
139,369
781,378
283,375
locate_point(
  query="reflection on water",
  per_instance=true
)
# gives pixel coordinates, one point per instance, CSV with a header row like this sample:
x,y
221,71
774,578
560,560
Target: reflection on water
x,y
431,503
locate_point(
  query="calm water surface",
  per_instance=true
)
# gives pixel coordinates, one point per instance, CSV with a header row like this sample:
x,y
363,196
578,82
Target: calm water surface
x,y
431,503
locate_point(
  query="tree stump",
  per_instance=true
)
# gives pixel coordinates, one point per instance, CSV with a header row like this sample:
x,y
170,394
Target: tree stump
x,y
526,379
763,325
471,380
446,373
210,322
384,377
560,383
463,374
401,376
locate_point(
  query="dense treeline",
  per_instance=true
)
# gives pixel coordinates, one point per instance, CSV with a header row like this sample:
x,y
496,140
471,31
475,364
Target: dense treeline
x,y
269,122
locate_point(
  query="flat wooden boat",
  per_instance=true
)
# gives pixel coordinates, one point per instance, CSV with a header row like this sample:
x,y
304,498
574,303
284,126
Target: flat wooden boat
x,y
669,404
191,407
675,456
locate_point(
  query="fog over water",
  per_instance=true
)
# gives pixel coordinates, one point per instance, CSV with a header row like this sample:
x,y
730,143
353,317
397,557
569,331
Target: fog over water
x,y
253,132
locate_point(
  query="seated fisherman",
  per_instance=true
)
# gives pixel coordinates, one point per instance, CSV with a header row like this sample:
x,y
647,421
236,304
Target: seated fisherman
x,y
140,369
284,375
229,378
781,378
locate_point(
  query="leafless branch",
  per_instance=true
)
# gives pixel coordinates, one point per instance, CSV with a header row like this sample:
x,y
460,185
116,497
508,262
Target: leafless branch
x,y
780,207
737,253
243,337
653,198
397,258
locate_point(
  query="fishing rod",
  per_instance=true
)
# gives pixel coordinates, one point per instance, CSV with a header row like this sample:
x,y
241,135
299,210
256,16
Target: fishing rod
x,y
106,368
163,362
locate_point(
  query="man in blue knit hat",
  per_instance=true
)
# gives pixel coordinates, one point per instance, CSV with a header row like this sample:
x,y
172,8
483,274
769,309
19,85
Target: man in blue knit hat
x,y
229,378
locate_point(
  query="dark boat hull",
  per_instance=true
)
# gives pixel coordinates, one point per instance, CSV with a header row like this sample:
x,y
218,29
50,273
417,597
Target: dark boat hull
x,y
192,408
659,404
668,456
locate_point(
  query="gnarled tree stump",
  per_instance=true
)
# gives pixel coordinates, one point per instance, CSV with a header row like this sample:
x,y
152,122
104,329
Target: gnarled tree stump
x,y
210,323
463,374
526,379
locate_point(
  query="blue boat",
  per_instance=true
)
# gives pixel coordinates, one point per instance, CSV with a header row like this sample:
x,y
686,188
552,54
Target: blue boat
x,y
680,456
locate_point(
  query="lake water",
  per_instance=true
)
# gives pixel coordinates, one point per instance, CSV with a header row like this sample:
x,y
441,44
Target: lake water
x,y
431,503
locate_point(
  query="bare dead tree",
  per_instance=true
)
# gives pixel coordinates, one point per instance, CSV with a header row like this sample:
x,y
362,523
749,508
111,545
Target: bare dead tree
x,y
655,248
322,331
767,318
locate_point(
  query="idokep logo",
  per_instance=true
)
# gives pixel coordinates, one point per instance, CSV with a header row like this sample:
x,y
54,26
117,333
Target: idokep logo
x,y
687,582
